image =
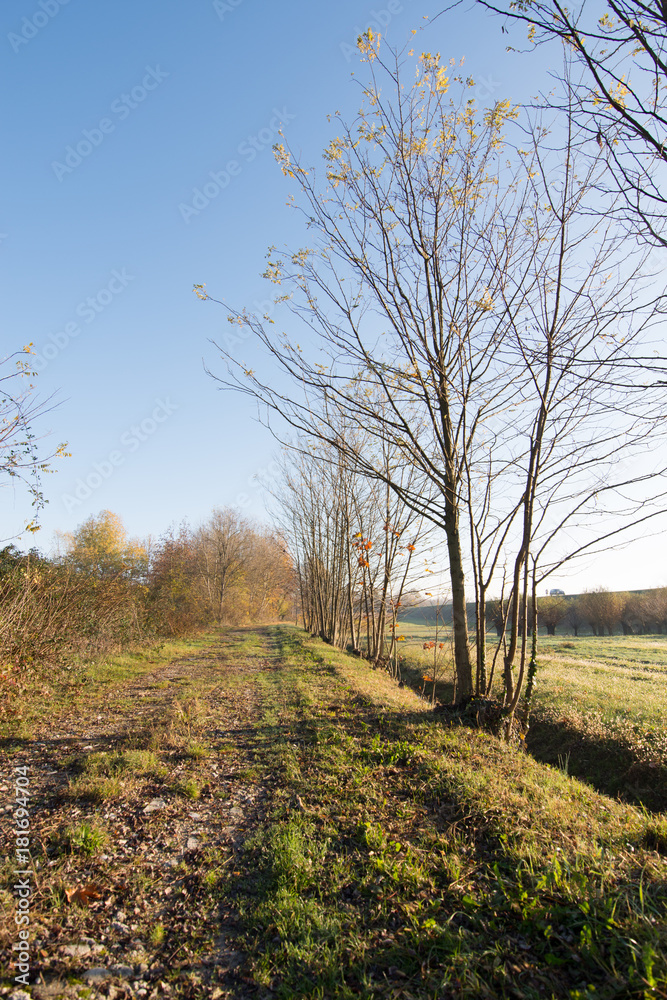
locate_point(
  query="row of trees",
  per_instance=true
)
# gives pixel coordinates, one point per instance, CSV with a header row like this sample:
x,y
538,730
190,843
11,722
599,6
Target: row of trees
x,y
104,590
353,541
605,612
470,331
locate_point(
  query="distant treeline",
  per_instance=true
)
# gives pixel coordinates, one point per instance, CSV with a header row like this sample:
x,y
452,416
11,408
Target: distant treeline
x,y
105,591
595,612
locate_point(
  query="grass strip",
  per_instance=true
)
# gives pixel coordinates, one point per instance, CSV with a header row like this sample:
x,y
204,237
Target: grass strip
x,y
402,858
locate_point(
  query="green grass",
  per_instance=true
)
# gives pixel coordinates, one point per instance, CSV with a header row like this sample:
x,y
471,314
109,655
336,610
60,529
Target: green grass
x,y
600,703
102,776
82,682
189,788
135,762
618,676
87,837
403,858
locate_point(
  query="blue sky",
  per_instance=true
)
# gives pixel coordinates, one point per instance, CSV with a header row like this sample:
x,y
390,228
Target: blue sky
x,y
115,115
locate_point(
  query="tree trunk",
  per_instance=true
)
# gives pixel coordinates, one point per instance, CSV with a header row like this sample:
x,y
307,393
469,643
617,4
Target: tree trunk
x,y
464,683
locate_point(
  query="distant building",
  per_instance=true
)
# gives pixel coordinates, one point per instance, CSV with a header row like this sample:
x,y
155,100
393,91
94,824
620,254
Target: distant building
x,y
556,593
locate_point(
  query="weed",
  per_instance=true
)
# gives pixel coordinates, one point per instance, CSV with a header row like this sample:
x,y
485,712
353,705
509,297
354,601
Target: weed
x,y
189,788
157,935
87,837
196,751
93,789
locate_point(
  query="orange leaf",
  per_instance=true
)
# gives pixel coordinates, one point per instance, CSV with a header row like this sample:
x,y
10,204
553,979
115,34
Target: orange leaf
x,y
83,894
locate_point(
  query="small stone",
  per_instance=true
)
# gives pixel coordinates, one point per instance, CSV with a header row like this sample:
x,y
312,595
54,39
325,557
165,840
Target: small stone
x,y
236,813
192,844
96,975
77,950
154,805
120,927
195,816
122,971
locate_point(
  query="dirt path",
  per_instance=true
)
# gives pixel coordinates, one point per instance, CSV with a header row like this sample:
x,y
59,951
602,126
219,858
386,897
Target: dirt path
x,y
141,797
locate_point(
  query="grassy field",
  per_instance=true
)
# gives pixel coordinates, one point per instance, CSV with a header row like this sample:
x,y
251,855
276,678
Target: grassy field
x,y
600,706
258,815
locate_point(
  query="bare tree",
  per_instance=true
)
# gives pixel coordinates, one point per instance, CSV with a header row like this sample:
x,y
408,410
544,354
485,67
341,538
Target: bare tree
x,y
602,609
575,615
222,547
348,533
617,57
472,318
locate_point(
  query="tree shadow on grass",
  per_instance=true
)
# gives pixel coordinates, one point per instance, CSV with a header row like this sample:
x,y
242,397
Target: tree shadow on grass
x,y
608,764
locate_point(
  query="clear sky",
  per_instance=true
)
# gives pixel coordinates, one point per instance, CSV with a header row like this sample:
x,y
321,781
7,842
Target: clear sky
x,y
115,115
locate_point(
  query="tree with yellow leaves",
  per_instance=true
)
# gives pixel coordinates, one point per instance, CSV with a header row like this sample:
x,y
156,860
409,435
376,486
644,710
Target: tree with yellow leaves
x,y
100,548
